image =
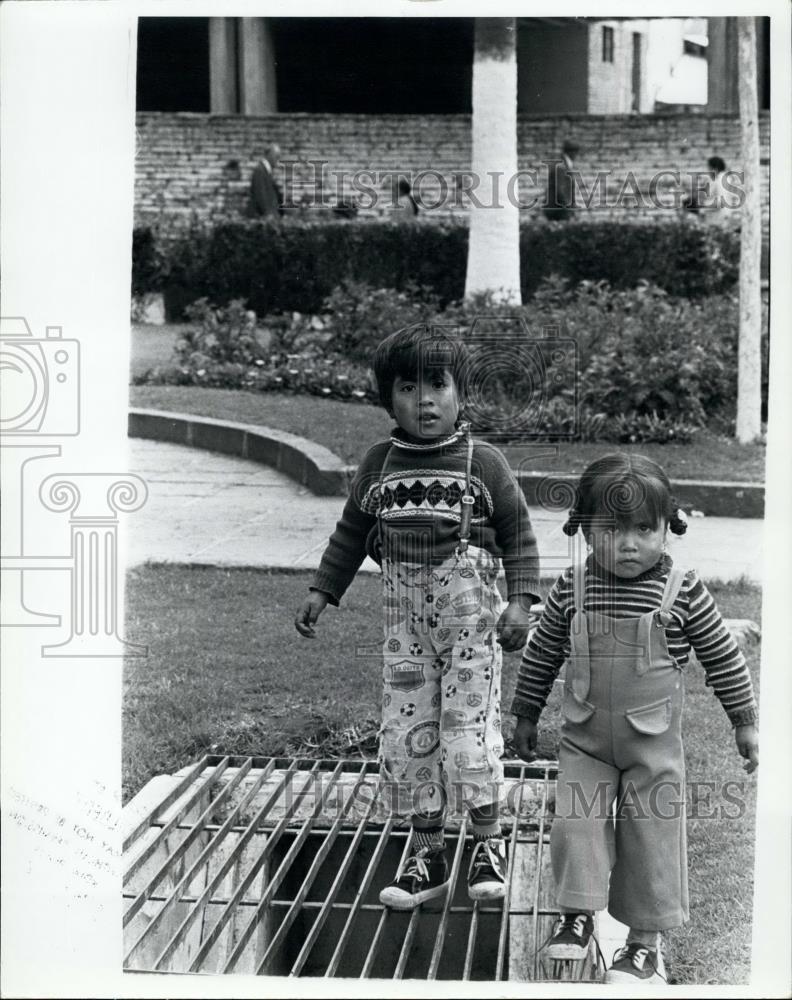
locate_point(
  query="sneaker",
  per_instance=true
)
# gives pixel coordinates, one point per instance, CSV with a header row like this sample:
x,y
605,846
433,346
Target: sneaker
x,y
634,963
571,937
487,872
423,876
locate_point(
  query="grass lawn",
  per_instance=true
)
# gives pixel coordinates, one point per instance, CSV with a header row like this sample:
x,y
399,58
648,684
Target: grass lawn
x,y
152,346
349,429
227,672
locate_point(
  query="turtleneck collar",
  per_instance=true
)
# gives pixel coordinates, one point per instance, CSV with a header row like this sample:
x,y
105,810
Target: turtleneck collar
x,y
400,440
656,572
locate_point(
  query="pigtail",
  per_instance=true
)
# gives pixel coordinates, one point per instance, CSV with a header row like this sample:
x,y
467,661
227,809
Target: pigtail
x,y
678,522
572,523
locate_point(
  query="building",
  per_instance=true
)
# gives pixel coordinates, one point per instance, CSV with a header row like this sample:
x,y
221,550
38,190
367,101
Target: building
x,y
350,96
257,66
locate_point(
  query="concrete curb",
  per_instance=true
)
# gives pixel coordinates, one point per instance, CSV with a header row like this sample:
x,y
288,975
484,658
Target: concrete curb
x,y
305,461
324,474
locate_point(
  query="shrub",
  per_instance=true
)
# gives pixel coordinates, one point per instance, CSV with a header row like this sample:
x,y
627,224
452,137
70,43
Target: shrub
x,y
223,349
650,367
281,267
147,263
360,316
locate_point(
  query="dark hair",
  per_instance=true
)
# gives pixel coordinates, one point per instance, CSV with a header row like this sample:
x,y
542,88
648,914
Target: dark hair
x,y
620,487
413,349
405,191
717,164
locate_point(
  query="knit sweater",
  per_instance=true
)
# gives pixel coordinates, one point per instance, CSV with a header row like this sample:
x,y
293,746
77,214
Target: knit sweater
x,y
405,505
695,624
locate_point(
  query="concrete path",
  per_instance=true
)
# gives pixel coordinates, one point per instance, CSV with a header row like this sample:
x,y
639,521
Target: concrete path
x,y
218,510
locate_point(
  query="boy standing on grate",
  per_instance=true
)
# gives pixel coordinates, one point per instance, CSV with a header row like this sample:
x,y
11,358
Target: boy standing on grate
x,y
439,512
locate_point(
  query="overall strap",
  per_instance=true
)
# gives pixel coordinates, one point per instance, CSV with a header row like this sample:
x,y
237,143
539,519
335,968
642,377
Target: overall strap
x,y
659,618
381,489
467,499
579,572
676,578
579,666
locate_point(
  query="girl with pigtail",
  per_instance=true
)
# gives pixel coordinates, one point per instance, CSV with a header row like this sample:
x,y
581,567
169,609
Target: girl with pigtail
x,y
625,619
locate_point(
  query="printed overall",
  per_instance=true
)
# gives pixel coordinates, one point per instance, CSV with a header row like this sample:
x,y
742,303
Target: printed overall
x,y
441,726
621,748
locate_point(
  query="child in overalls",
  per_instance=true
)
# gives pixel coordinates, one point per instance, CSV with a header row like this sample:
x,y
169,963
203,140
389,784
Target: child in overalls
x,y
439,512
627,619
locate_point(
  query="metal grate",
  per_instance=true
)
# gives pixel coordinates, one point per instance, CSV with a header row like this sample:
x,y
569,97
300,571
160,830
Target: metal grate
x,y
274,866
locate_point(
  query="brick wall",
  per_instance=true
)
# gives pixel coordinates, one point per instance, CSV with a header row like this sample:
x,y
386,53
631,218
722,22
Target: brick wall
x,y
610,83
183,172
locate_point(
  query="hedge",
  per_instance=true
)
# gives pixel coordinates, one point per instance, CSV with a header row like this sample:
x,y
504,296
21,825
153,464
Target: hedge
x,y
294,266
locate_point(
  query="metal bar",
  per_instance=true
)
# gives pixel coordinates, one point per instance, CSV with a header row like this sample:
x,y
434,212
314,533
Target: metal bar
x,y
270,891
357,902
370,831
504,926
404,955
169,799
313,871
181,932
365,972
437,950
197,795
210,848
538,877
317,904
182,848
471,945
375,943
330,904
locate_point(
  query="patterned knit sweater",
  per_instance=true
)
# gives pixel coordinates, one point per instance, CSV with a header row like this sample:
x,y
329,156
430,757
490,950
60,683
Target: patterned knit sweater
x,y
417,490
696,624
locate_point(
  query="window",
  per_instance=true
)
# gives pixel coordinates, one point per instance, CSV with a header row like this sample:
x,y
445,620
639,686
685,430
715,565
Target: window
x,y
691,48
607,44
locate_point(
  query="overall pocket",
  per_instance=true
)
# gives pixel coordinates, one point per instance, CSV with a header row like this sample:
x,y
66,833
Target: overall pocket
x,y
651,720
576,710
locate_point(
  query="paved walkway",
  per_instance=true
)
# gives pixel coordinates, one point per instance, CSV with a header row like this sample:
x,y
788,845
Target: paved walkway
x,y
218,510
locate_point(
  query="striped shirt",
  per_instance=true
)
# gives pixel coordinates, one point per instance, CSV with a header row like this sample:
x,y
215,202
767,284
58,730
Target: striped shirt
x,y
695,624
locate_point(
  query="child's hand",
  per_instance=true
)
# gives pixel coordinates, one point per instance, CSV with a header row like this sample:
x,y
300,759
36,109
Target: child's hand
x,y
747,739
524,738
512,627
310,609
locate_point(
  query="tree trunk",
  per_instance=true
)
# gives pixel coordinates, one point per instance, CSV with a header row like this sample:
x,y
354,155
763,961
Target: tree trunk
x,y
749,377
493,262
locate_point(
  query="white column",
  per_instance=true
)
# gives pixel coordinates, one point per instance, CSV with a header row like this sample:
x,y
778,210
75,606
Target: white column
x,y
494,248
223,65
257,67
749,365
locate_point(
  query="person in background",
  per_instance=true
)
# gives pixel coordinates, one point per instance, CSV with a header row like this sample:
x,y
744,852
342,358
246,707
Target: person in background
x,y
266,200
560,205
405,207
707,198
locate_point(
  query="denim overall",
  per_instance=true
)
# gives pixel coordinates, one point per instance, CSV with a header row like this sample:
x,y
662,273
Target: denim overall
x,y
621,746
440,739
